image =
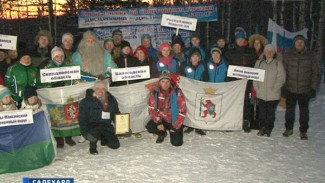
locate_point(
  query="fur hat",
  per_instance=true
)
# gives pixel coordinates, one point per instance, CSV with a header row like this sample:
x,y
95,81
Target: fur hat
x,y
117,32
164,45
30,91
299,37
215,48
67,35
88,34
254,37
100,84
177,40
164,75
56,51
4,91
44,33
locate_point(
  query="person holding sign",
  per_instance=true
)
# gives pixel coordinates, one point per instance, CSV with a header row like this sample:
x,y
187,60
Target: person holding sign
x,y
6,103
216,67
167,109
269,91
96,117
165,61
92,57
67,47
20,75
143,59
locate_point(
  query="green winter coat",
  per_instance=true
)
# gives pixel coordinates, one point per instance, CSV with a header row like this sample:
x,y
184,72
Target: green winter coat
x,y
18,77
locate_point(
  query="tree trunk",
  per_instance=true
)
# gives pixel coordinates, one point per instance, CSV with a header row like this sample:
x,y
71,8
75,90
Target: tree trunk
x,y
223,18
302,15
294,22
321,31
312,25
275,12
228,22
282,14
51,19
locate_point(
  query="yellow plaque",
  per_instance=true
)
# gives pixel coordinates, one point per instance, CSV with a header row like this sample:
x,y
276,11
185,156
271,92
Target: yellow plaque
x,y
122,123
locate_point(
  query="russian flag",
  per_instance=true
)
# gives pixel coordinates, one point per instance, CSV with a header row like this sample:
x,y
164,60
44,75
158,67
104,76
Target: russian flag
x,y
281,38
26,147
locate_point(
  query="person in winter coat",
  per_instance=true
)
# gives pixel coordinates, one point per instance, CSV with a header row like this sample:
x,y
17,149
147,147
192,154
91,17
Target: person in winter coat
x,y
110,47
216,67
194,69
195,43
241,55
269,91
147,43
143,58
257,42
178,46
222,44
6,102
302,81
20,75
94,125
67,47
31,101
125,60
167,109
4,64
165,61
41,55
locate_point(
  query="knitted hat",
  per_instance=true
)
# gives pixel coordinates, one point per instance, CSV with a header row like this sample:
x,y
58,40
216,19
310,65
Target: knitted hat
x,y
66,36
195,34
100,84
56,51
109,39
215,48
194,51
269,46
22,53
254,37
164,75
143,49
240,33
88,34
177,40
30,91
117,32
299,37
145,36
4,91
125,44
43,33
164,45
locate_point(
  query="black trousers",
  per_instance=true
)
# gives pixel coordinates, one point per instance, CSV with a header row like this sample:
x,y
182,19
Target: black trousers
x,y
103,134
266,116
248,112
291,102
176,138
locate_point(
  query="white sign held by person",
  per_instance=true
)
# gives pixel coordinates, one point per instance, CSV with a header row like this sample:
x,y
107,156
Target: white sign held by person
x,y
130,73
8,42
60,74
246,72
16,117
178,22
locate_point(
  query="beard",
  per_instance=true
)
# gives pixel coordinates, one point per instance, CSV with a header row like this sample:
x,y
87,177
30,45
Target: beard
x,y
92,57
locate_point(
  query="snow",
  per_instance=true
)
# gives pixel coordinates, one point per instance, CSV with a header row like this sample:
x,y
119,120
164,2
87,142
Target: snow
x,y
217,157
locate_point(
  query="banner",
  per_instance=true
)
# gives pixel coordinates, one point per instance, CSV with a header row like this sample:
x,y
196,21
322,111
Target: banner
x,y
26,147
281,38
144,16
130,73
63,108
16,117
178,22
133,34
214,106
8,42
246,72
60,74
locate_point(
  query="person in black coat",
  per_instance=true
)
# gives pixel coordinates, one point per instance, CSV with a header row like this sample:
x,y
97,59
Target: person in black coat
x,y
96,117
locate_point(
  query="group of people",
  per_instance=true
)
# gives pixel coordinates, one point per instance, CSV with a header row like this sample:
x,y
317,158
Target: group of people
x,y
295,76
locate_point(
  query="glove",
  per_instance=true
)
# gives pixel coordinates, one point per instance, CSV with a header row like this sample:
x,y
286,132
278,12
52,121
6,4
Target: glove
x,y
312,93
91,138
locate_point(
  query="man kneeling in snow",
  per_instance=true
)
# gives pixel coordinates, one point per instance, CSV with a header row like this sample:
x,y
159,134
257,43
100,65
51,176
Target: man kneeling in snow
x,y
96,115
167,109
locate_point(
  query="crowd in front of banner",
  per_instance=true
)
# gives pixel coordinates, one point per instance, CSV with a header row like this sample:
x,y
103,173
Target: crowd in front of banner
x,y
294,75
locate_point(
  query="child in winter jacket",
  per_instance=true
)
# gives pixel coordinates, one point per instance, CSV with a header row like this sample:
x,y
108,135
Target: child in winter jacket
x,y
6,103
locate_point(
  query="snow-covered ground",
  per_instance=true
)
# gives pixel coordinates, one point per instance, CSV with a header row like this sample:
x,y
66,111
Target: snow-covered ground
x,y
217,157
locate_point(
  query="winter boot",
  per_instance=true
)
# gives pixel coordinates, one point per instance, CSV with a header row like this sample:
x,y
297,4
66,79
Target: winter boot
x,y
200,132
287,133
59,142
189,130
303,136
93,151
69,141
161,138
261,132
246,127
268,133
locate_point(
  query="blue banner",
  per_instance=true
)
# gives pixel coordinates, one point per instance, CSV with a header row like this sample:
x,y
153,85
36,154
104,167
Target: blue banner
x,y
144,16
